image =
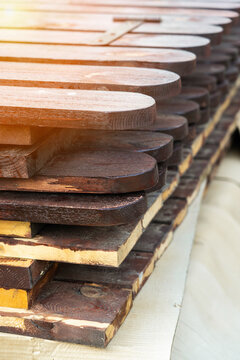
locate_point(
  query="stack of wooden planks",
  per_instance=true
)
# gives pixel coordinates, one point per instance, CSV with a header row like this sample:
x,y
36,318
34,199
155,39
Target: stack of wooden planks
x,y
111,115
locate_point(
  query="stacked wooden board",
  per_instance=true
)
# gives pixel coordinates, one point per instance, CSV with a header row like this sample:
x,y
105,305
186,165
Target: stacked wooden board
x,y
112,114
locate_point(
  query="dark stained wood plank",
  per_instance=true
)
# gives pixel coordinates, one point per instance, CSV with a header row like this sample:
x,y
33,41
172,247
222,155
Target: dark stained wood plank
x,y
215,99
22,229
177,155
216,58
72,209
204,116
195,93
216,70
91,171
21,135
105,246
131,274
25,161
21,273
196,44
178,61
178,106
187,189
172,213
232,74
74,108
156,144
198,169
162,173
153,82
57,317
21,298
174,125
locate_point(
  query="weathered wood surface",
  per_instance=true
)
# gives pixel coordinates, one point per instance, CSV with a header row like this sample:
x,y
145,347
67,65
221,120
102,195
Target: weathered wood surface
x,y
174,125
177,155
180,61
21,135
197,94
21,273
178,106
72,209
172,213
57,317
153,82
187,189
91,171
21,298
74,108
103,22
156,144
25,161
22,229
131,274
162,174
198,169
75,244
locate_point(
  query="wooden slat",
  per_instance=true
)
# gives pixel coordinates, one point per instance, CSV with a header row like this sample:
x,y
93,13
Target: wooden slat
x,y
72,209
173,212
23,229
21,274
110,247
179,61
74,108
178,106
197,94
59,317
21,298
153,82
21,135
91,171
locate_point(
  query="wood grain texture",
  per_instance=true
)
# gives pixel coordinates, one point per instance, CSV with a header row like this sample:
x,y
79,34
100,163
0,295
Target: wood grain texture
x,y
156,144
216,70
177,155
21,135
153,82
206,81
198,45
74,108
20,229
72,209
131,274
21,298
195,44
24,161
178,106
22,274
172,213
105,246
196,93
103,309
91,171
180,61
104,22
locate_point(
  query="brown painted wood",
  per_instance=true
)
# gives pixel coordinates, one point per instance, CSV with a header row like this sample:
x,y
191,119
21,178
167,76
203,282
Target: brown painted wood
x,y
210,16
198,45
72,209
216,70
103,309
153,82
21,298
21,274
154,236
179,61
206,81
131,274
91,171
177,155
178,106
172,212
195,44
25,161
104,22
195,93
74,108
174,125
156,144
21,135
